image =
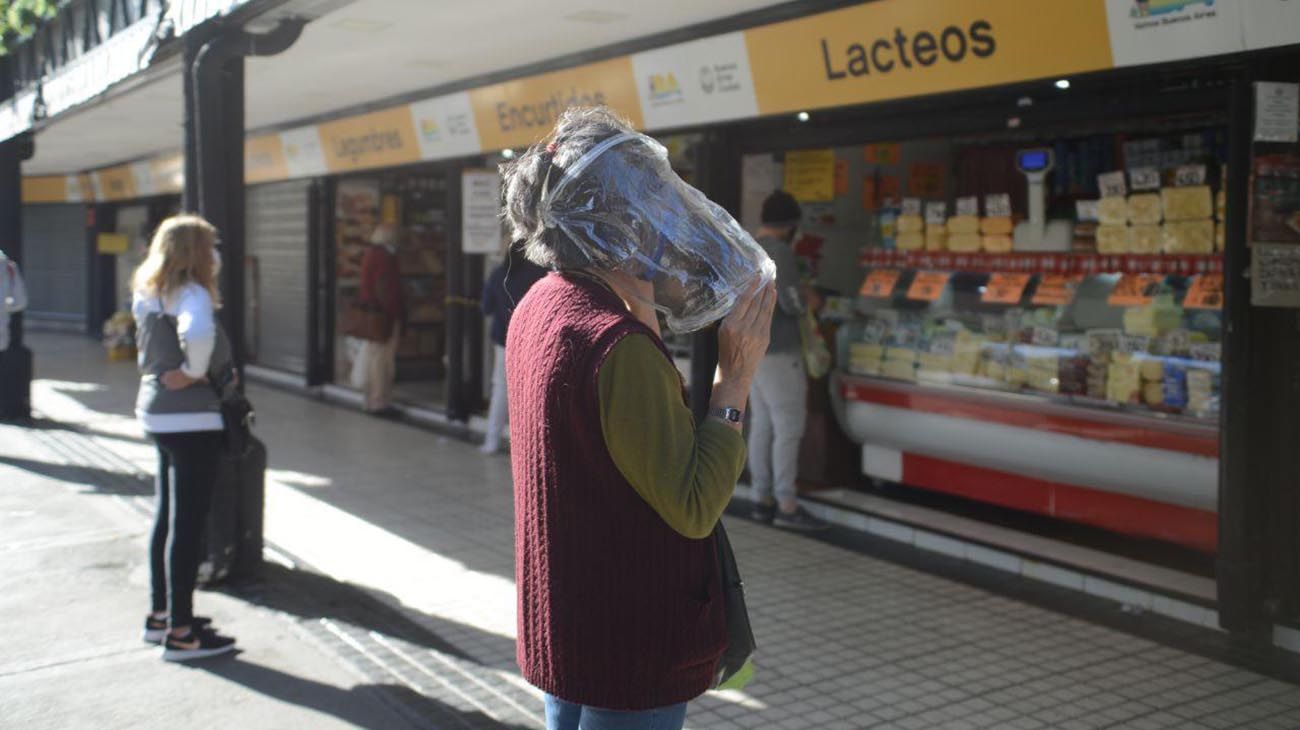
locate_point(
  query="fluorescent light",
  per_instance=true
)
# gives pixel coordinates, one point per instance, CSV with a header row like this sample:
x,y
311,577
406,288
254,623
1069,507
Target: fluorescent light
x,y
802,116
1062,84
508,153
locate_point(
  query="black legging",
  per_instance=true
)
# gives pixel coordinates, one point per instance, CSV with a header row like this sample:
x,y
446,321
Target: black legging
x,y
187,470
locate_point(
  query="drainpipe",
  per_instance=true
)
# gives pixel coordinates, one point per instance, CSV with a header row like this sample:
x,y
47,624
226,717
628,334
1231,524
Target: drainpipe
x,y
16,361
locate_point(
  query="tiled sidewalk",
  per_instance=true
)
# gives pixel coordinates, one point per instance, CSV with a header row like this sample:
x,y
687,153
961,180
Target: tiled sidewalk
x,y
846,640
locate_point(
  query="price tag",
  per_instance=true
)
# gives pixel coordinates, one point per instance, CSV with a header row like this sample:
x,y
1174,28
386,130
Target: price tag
x,y
997,206
1206,292
1005,288
1086,210
927,286
936,213
1045,336
1206,351
1133,290
1178,342
875,332
911,206
880,283
1130,344
1190,175
1145,178
1103,341
1111,184
1055,290
969,205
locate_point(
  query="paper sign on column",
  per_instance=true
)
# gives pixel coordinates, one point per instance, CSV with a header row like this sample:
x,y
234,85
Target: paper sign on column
x,y
810,175
1277,112
480,208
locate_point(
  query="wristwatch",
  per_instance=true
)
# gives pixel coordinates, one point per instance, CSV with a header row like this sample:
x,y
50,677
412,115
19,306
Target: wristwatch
x,y
730,415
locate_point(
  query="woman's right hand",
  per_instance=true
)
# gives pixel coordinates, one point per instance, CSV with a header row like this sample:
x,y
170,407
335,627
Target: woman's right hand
x,y
177,380
743,335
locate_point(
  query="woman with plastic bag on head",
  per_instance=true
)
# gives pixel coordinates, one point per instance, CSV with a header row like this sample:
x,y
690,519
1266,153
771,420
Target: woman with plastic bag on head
x,y
617,490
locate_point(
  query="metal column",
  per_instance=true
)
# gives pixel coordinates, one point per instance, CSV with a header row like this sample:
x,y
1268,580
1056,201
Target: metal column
x,y
16,361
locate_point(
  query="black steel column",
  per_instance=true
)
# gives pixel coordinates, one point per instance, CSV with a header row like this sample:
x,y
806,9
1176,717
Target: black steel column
x,y
16,360
101,269
474,332
315,204
457,407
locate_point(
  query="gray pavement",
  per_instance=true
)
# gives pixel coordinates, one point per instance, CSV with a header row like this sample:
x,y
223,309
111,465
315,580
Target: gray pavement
x,y
389,601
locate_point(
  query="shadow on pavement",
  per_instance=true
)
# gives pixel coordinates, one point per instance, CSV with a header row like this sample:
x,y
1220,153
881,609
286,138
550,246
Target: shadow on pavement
x,y
349,705
99,481
49,424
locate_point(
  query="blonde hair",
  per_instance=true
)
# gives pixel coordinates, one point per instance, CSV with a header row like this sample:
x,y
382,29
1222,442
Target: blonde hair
x,y
181,252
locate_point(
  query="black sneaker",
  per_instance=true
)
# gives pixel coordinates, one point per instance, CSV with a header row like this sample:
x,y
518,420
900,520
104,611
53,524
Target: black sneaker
x,y
198,644
155,629
800,519
763,512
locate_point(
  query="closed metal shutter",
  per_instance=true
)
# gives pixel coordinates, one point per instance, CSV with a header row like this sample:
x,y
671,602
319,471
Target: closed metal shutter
x,y
277,275
54,263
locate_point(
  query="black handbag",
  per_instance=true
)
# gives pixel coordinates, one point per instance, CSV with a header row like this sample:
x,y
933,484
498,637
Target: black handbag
x,y
237,415
740,636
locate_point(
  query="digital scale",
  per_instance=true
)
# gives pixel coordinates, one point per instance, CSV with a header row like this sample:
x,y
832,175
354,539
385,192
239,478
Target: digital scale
x,y
1038,233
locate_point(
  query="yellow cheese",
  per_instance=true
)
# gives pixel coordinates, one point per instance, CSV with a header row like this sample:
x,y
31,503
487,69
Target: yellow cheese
x,y
999,226
964,242
1017,377
1122,382
1144,239
996,243
936,240
1152,369
901,369
932,363
1189,237
1112,238
1153,394
1219,237
1143,208
909,241
964,224
1112,211
909,224
1187,204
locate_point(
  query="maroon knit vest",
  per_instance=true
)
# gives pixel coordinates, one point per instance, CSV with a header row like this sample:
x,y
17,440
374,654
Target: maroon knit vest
x,y
616,610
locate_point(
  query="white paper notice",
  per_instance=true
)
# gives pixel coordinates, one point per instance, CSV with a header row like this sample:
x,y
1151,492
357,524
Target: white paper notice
x,y
760,174
1277,112
480,206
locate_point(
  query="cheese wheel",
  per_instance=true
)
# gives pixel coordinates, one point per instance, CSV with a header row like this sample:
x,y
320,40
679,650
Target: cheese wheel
x,y
1187,204
936,240
1143,208
1112,239
1144,239
1112,211
963,224
909,224
996,243
964,242
1000,226
914,241
1189,237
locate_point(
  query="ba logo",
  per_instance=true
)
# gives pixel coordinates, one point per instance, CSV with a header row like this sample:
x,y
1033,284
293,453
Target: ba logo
x,y
708,79
664,87
429,129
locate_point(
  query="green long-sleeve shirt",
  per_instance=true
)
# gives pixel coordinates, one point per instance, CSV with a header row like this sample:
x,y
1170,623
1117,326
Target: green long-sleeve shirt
x,y
686,473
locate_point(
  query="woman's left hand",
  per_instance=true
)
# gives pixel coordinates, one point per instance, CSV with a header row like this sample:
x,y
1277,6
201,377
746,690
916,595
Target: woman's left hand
x,y
177,380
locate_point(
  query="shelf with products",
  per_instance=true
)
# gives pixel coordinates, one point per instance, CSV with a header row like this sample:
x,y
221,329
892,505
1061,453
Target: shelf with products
x,y
1044,263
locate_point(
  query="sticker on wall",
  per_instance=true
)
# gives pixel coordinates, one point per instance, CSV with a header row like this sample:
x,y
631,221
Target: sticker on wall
x,y
697,82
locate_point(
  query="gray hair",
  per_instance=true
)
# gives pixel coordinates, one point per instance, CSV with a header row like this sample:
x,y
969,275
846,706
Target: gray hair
x,y
577,131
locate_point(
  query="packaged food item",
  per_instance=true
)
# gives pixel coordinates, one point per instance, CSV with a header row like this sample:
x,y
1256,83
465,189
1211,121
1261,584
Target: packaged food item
x,y
1123,382
1155,319
1174,384
914,241
1144,239
964,242
1144,209
1221,205
1112,211
1185,204
934,363
1202,391
963,224
996,226
1152,369
993,243
900,363
936,239
866,358
909,223
1153,394
966,353
1112,239
1189,237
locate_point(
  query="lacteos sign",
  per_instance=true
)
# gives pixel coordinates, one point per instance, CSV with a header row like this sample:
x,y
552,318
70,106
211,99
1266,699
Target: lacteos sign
x,y
897,48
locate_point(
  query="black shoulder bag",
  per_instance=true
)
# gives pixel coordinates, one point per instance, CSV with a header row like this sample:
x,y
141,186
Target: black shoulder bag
x,y
740,637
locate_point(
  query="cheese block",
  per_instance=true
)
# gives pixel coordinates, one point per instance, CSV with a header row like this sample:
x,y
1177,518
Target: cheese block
x,y
1143,209
1187,204
964,224
1220,238
964,242
1112,211
1112,239
1151,369
936,240
909,224
1017,377
1220,205
1189,237
1144,239
914,241
998,226
932,363
1153,394
996,243
1122,382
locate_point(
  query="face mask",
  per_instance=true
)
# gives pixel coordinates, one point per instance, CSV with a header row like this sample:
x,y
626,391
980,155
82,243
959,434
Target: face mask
x,y
626,210
216,261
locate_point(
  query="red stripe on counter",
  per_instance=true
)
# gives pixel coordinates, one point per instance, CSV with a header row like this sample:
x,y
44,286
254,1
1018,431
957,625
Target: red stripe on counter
x,y
1186,526
945,404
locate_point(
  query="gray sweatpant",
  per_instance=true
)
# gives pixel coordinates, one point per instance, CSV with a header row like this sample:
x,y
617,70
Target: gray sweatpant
x,y
777,409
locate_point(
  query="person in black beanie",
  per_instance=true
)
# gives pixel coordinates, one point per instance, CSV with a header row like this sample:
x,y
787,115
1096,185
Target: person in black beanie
x,y
506,286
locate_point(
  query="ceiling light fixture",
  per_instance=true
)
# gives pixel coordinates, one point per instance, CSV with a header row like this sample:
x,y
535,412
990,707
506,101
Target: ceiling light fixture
x,y
508,153
803,116
1062,84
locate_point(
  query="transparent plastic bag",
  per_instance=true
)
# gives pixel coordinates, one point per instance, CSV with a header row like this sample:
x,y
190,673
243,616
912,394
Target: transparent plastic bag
x,y
625,209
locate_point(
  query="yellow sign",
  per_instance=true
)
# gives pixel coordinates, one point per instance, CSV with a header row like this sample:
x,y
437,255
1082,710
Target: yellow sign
x,y
520,112
115,183
810,175
45,189
112,243
380,139
897,48
264,159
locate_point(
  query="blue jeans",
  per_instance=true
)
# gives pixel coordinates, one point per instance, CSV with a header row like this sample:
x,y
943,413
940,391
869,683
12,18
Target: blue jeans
x,y
561,715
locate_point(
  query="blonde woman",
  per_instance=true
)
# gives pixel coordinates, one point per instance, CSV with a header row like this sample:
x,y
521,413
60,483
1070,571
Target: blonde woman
x,y
182,350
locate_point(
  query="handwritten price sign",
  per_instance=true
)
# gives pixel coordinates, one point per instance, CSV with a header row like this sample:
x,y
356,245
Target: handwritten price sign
x,y
1206,292
1005,288
1055,290
927,286
1133,290
880,283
